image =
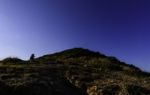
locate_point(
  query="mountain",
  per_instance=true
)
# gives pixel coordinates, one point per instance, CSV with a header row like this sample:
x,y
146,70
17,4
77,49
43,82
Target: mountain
x,y
76,71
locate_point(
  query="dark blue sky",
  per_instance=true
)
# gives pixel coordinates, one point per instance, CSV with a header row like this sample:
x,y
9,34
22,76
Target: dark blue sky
x,y
119,28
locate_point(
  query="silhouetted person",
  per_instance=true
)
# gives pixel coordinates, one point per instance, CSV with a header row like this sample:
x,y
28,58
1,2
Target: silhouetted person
x,y
32,57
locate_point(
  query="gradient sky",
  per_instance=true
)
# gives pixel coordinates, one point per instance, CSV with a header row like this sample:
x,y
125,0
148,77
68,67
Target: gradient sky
x,y
118,28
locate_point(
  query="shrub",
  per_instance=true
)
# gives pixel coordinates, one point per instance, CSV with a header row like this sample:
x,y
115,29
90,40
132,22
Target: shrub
x,y
111,90
12,60
137,90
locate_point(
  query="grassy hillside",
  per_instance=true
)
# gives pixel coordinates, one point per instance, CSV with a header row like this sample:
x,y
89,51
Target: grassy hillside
x,y
75,71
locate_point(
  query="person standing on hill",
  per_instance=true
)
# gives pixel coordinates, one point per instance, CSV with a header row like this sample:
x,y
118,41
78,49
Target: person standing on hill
x,y
32,57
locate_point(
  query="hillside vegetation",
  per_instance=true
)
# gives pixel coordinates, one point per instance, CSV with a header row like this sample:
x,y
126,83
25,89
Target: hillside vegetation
x,y
74,71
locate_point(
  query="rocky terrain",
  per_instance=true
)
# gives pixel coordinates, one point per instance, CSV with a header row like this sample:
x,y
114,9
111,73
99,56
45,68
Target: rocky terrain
x,y
74,71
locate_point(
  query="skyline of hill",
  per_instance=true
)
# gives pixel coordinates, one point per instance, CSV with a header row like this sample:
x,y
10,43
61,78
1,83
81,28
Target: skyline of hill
x,y
75,71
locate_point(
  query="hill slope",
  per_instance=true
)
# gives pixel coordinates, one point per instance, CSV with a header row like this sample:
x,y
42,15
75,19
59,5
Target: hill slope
x,y
75,71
